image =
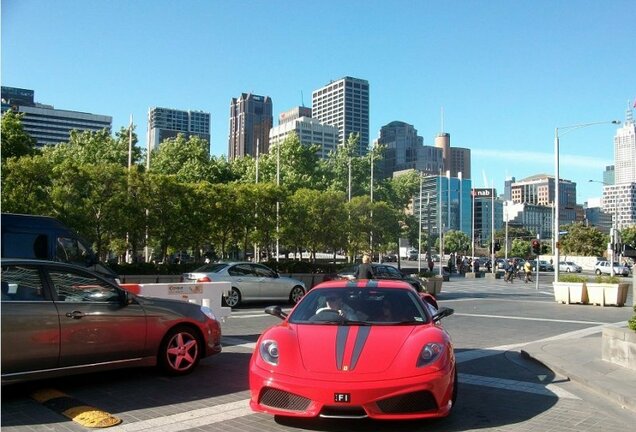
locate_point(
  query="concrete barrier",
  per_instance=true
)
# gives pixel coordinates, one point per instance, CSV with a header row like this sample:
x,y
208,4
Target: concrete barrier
x,y
203,293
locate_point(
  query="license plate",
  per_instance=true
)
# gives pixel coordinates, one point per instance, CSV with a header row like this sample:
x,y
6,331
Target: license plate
x,y
342,397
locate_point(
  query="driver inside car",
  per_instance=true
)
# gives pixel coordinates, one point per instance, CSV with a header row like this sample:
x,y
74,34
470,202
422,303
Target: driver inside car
x,y
335,303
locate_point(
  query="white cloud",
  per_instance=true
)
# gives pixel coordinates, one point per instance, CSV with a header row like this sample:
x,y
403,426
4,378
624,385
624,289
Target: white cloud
x,y
570,160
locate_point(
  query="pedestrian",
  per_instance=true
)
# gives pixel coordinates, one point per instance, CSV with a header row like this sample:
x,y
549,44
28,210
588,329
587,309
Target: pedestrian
x,y
527,268
509,269
476,265
364,270
430,264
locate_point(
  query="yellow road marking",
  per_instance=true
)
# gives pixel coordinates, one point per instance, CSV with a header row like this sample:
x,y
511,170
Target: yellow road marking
x,y
74,409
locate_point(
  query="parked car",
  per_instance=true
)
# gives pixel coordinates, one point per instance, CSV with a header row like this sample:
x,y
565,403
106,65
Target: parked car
x,y
250,281
381,271
402,367
60,319
570,267
391,257
603,267
543,266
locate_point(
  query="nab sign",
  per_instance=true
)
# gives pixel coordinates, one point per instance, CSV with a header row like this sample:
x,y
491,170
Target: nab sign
x,y
483,193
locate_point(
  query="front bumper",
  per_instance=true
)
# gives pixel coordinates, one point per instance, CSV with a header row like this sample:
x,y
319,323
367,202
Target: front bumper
x,y
421,396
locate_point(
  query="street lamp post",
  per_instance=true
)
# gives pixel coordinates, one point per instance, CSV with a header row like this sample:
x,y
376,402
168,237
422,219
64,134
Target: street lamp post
x,y
556,184
613,229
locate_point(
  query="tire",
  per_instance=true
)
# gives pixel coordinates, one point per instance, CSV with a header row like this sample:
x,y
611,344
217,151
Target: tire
x,y
296,294
568,270
180,351
234,299
598,272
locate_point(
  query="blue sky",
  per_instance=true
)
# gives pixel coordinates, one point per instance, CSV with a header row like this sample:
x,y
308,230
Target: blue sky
x,y
506,72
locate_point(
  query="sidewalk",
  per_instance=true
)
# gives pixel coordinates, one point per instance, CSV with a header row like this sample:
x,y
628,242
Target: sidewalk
x,y
580,361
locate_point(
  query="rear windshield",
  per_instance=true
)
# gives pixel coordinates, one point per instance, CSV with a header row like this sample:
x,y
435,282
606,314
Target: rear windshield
x,y
211,268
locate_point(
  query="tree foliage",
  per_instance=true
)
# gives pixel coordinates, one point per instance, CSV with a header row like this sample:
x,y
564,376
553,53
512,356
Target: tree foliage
x,y
15,141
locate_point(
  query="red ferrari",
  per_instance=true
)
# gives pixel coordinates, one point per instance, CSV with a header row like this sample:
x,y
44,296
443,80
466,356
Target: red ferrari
x,y
356,349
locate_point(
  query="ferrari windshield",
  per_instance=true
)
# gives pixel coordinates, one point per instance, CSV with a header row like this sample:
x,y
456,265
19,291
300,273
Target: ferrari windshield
x,y
360,306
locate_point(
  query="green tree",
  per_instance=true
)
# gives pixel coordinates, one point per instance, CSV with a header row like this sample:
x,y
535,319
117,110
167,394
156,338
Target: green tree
x,y
88,198
628,236
94,148
582,240
26,185
520,248
187,159
15,141
456,242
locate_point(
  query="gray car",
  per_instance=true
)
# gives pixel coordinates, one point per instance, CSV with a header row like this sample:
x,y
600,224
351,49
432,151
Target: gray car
x,y
59,319
250,281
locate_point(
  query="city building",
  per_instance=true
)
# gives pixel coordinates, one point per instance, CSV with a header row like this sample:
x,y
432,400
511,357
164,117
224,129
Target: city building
x,y
539,190
293,114
596,217
485,216
619,197
456,159
164,123
345,104
535,218
608,175
309,131
445,202
47,125
405,150
250,122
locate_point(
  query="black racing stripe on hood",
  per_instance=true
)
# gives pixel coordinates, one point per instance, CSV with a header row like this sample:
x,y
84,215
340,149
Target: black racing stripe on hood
x,y
341,341
361,339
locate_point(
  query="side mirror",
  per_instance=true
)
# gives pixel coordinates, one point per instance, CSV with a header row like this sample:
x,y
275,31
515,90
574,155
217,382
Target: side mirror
x,y
276,311
443,313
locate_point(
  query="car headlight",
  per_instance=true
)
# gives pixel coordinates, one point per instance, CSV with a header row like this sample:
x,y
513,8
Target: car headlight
x,y
430,353
208,312
269,351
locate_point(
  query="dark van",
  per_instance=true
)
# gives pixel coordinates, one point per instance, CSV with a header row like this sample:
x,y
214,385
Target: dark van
x,y
46,238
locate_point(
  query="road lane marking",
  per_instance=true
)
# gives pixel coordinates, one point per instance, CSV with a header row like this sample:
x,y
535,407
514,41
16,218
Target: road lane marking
x,y
228,341
529,318
190,419
514,385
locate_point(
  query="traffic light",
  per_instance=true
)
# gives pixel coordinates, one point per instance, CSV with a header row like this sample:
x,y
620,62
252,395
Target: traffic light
x,y
536,247
497,246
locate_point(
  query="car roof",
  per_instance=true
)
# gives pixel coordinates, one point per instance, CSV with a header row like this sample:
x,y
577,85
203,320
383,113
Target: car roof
x,y
365,283
25,261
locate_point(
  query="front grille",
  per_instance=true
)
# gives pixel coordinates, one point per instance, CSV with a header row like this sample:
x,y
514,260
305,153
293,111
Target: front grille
x,y
408,403
283,400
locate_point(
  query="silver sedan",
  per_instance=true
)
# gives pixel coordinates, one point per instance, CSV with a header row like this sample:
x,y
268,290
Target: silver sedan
x,y
250,282
569,267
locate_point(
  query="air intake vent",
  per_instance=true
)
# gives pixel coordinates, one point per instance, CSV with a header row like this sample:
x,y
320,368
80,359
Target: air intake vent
x,y
408,403
283,400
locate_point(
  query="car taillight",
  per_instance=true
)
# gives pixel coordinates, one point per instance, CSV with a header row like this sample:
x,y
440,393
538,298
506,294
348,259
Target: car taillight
x,y
204,279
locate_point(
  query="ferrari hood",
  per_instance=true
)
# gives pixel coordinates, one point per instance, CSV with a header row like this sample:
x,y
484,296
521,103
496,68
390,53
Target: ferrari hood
x,y
365,349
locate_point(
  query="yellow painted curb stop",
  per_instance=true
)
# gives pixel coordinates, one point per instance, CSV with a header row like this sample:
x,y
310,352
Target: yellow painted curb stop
x,y
74,409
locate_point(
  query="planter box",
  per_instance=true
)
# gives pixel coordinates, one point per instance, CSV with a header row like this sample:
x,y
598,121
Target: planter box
x,y
433,285
607,294
619,347
570,292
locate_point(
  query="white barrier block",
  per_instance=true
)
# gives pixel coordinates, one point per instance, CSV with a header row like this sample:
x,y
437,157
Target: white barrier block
x,y
207,294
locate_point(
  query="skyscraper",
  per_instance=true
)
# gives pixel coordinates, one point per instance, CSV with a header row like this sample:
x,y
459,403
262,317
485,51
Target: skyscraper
x,y
250,122
166,123
405,149
309,131
345,104
619,199
46,124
